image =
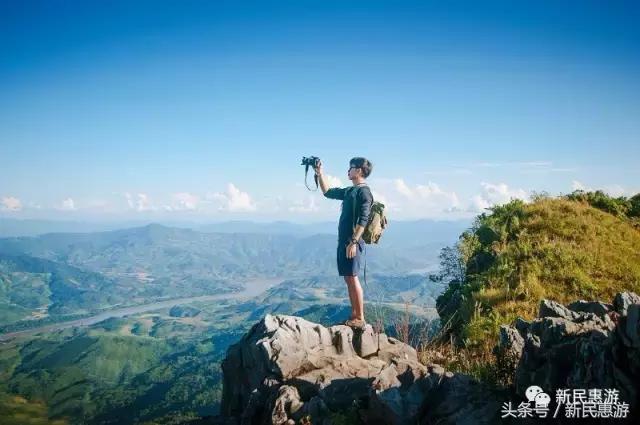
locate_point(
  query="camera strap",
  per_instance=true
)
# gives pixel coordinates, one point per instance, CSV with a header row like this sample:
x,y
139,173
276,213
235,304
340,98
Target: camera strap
x,y
315,178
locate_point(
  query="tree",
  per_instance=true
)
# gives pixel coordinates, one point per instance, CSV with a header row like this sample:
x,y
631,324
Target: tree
x,y
634,211
452,266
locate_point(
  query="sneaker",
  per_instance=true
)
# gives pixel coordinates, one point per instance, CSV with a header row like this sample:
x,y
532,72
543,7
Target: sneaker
x,y
355,323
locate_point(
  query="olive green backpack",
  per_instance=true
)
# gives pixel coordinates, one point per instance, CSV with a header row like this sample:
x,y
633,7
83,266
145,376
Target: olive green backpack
x,y
376,224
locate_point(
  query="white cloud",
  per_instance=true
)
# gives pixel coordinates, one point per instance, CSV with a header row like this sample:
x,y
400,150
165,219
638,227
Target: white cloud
x,y
130,202
304,206
614,190
379,197
333,181
495,194
544,164
184,201
410,201
528,167
576,185
432,189
431,193
11,203
68,205
233,199
141,203
478,204
402,188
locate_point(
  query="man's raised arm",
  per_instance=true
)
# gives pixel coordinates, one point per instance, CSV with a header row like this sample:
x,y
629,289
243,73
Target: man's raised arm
x,y
323,183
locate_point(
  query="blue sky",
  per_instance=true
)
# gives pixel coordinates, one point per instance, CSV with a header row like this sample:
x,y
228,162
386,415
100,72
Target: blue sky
x,y
202,110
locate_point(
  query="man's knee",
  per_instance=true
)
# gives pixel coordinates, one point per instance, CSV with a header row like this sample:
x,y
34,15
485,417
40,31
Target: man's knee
x,y
350,280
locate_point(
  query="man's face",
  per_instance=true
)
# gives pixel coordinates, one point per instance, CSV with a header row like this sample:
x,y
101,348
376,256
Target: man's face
x,y
353,172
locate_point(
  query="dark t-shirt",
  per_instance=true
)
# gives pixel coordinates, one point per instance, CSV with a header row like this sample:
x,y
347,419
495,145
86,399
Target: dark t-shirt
x,y
356,207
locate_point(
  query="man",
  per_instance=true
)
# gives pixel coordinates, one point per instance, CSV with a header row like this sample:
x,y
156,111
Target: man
x,y
356,207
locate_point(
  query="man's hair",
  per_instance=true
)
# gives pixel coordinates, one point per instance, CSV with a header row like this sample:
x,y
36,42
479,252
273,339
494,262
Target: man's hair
x,y
363,163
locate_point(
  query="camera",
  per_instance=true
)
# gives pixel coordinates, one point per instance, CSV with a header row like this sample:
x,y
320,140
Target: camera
x,y
311,161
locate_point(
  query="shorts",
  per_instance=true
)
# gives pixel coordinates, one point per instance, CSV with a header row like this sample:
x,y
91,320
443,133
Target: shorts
x,y
349,266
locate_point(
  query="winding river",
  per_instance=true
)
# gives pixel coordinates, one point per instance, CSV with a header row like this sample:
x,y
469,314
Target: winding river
x,y
252,288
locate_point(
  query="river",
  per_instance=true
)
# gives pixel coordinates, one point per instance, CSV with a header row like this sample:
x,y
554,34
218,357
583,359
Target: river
x,y
252,288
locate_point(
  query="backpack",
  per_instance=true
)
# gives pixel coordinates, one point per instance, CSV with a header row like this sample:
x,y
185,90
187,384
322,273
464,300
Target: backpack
x,y
376,224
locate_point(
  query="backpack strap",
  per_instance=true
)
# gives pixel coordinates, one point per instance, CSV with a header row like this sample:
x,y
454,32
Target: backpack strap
x,y
356,188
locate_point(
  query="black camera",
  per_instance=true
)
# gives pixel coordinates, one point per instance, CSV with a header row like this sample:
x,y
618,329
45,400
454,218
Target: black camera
x,y
312,161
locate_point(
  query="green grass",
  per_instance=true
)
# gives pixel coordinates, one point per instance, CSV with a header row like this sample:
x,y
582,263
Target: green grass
x,y
554,248
16,410
579,246
10,313
66,373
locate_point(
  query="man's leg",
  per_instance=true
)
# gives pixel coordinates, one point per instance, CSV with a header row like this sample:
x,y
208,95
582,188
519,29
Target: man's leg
x,y
351,296
356,296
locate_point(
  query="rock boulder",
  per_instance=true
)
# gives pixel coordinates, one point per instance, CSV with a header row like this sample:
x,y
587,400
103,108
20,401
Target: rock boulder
x,y
287,370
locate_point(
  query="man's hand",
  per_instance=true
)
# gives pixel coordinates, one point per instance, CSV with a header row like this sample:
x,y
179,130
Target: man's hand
x,y
323,184
318,168
351,250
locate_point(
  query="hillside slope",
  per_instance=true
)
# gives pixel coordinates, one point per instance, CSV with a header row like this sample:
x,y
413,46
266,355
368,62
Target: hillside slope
x,y
556,248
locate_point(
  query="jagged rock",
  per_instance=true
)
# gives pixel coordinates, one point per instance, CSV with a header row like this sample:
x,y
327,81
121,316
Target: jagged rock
x,y
286,369
595,307
581,347
366,342
462,401
632,325
387,378
522,326
550,308
623,300
510,343
390,349
286,405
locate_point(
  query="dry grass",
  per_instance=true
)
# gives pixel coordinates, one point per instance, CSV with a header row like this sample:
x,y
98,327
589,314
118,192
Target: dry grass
x,y
562,250
519,254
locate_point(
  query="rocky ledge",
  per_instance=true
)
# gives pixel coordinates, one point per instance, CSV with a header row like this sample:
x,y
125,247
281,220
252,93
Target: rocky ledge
x,y
287,370
583,345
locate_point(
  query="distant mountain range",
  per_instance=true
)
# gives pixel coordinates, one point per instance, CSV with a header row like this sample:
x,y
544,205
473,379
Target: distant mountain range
x,y
162,366
58,274
438,230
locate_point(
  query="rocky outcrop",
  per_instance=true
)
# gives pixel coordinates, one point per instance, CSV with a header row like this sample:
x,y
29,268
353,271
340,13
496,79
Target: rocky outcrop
x,y
287,370
582,345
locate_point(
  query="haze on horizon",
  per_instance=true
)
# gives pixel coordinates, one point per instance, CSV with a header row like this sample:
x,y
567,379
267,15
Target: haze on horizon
x,y
163,111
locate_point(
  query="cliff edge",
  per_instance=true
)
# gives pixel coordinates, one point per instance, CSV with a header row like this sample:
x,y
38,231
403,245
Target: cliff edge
x,y
287,370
